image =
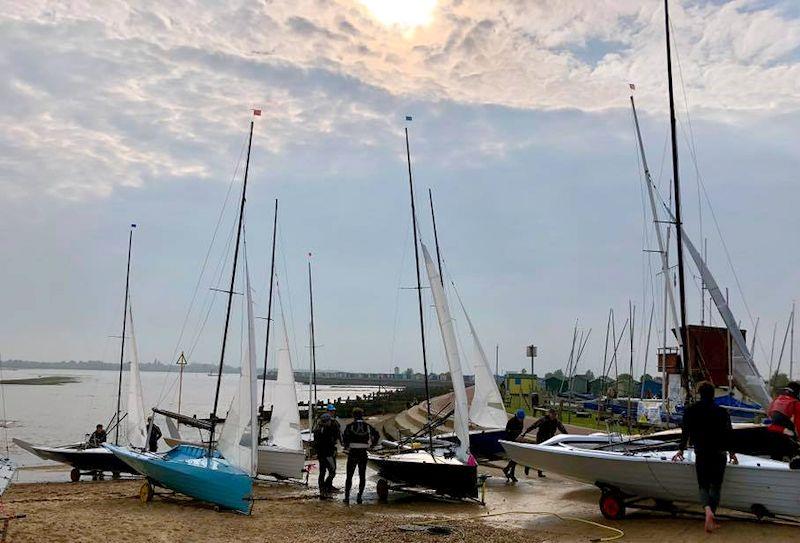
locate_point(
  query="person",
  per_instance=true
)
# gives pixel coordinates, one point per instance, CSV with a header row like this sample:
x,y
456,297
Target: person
x,y
154,434
784,430
547,426
326,435
358,437
98,437
513,430
707,427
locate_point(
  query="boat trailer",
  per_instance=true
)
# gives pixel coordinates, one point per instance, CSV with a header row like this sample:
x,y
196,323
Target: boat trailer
x,y
614,504
383,487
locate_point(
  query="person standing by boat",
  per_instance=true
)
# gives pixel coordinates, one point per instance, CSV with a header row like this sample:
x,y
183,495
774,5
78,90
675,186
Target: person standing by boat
x,y
785,428
327,434
513,430
547,426
707,427
358,437
153,435
98,437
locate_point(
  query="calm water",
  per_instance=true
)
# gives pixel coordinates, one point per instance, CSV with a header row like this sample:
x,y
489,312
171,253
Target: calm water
x,y
60,414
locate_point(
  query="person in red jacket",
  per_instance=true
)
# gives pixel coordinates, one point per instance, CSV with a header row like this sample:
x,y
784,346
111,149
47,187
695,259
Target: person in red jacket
x,y
785,428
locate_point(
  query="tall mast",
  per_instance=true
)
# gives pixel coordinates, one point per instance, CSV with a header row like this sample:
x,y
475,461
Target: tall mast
x,y
436,238
678,223
419,289
791,347
269,306
313,342
124,323
230,292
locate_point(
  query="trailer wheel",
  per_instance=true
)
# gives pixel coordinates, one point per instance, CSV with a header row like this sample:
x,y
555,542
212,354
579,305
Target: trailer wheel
x,y
146,492
612,506
75,475
383,490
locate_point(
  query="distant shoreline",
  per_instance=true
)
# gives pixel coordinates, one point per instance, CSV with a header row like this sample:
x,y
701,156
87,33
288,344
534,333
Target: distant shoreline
x,y
324,377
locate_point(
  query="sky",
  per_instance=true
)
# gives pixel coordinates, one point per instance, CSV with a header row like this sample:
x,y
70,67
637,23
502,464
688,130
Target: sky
x,y
138,112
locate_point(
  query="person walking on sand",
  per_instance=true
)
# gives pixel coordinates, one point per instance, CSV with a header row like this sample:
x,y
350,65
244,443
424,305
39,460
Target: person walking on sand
x,y
548,425
326,436
707,427
358,437
513,430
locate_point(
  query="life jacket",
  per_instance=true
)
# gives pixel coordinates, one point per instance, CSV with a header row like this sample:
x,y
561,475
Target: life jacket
x,y
781,411
358,434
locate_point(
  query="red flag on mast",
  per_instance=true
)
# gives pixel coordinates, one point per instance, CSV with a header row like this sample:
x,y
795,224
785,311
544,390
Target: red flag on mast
x,y
257,112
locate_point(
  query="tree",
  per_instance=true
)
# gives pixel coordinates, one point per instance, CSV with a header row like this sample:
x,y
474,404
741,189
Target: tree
x,y
589,375
778,382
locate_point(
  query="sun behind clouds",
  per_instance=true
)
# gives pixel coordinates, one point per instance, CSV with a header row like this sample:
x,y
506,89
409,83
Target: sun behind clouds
x,y
407,14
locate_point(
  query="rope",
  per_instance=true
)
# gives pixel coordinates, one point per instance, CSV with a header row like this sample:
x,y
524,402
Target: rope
x,y
617,533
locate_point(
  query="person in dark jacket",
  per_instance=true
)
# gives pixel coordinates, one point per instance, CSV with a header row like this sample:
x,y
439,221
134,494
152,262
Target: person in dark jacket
x,y
547,427
707,427
153,435
358,437
98,437
326,435
513,430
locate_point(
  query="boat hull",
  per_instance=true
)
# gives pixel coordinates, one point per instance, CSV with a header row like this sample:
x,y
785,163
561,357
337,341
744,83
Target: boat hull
x,y
444,476
189,470
281,462
93,459
483,443
754,481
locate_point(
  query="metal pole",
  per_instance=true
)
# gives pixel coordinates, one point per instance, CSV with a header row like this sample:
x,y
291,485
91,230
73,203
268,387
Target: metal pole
x,y
269,308
230,294
124,323
678,223
419,291
313,341
436,238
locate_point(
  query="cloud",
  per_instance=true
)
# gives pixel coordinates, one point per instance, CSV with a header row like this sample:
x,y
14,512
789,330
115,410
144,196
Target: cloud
x,y
130,94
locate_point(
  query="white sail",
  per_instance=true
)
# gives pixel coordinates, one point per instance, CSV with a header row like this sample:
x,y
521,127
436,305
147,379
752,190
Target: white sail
x,y
745,374
487,409
135,422
460,420
238,440
284,425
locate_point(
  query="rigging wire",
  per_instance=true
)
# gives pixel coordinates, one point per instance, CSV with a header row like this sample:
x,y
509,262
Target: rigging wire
x,y
397,293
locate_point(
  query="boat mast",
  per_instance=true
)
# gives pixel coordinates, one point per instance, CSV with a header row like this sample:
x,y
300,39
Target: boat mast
x,y
678,223
269,311
791,347
124,323
230,293
419,291
436,238
313,342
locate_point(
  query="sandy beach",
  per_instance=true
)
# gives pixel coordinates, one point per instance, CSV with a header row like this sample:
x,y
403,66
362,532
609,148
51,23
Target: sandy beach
x,y
111,511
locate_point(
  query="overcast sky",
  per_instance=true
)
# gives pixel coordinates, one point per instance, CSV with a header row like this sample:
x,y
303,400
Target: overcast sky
x,y
138,113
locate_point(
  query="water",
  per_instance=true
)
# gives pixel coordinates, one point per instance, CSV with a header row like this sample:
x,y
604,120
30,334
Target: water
x,y
61,414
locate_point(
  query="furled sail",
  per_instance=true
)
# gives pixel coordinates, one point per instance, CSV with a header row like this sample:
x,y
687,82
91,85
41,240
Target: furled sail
x,y
745,374
135,423
460,421
487,408
284,425
238,440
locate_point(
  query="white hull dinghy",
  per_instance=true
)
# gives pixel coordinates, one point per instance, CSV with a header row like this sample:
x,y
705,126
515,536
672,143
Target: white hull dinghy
x,y
755,485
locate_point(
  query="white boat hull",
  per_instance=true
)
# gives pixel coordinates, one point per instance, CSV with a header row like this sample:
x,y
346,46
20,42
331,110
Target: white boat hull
x,y
281,462
754,481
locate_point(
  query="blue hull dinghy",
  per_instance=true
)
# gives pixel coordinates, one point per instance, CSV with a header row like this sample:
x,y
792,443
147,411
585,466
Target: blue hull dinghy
x,y
188,469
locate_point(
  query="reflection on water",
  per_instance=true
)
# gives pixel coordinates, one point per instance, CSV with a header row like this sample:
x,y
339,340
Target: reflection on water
x,y
56,415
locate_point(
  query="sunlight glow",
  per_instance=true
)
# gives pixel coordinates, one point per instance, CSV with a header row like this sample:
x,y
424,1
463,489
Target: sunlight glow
x,y
407,14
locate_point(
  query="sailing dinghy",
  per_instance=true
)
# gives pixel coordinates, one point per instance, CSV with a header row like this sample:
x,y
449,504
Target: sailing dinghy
x,y
221,473
283,455
90,459
452,473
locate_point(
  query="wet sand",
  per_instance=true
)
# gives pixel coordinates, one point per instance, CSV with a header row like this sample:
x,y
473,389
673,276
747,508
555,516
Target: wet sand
x,y
111,511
